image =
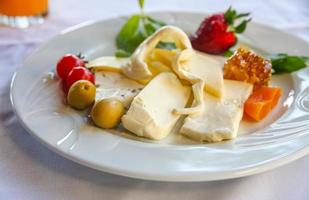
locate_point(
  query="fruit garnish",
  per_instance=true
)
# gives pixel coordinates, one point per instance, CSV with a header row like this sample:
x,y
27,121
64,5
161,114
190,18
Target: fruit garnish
x,y
79,73
284,63
245,65
67,63
135,31
216,33
261,102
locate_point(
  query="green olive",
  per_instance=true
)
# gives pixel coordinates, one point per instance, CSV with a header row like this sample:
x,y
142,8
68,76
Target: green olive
x,y
81,94
107,113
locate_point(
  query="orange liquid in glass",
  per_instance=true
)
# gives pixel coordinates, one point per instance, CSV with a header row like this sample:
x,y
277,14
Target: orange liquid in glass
x,y
23,7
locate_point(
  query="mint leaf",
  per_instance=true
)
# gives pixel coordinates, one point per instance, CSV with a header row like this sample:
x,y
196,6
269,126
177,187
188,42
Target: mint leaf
x,y
155,22
284,63
151,25
121,53
131,34
134,32
166,45
141,4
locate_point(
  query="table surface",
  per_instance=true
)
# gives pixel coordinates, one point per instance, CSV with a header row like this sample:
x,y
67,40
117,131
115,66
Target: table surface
x,y
28,170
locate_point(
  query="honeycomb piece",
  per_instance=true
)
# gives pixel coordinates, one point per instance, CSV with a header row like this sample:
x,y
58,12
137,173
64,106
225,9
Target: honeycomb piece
x,y
249,67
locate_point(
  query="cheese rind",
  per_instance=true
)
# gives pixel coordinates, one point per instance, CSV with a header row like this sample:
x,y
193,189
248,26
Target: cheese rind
x,y
150,114
220,118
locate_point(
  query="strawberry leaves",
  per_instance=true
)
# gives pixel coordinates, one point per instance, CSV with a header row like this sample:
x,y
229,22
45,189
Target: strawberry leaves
x,y
242,26
231,16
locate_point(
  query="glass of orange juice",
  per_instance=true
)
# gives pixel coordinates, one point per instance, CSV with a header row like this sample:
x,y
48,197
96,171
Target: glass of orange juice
x,y
23,13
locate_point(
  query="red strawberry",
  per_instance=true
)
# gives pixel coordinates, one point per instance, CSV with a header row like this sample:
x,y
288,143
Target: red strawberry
x,y
216,33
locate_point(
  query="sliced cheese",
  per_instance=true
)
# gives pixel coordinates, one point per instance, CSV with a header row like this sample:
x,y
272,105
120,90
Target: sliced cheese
x,y
220,118
108,63
150,114
116,85
159,60
203,72
193,66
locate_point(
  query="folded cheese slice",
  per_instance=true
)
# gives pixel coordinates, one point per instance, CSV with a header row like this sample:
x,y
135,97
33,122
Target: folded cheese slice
x,y
194,66
219,119
150,114
139,69
203,72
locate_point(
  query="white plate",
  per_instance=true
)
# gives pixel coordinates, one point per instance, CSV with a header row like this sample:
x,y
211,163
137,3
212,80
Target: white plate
x,y
279,139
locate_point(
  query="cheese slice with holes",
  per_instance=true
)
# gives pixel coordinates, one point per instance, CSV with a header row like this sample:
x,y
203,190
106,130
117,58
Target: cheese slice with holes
x,y
150,114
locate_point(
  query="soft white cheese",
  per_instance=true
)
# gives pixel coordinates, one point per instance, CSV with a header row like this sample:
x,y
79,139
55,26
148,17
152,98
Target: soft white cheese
x,y
220,118
116,85
150,114
194,66
203,72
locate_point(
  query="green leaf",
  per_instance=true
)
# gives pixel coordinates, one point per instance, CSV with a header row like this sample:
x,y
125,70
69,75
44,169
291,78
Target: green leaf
x,y
150,28
228,53
284,63
242,15
166,45
122,54
230,15
141,4
151,25
156,22
242,26
131,34
134,32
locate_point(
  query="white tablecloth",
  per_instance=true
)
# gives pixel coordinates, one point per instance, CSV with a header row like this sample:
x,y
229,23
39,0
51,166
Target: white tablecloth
x,y
28,170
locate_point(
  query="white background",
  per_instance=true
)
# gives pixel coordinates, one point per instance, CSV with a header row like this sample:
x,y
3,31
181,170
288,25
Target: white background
x,y
28,170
